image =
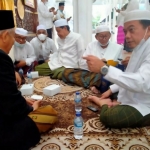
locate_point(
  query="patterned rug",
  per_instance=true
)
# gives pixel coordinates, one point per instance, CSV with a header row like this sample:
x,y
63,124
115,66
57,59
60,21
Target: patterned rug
x,y
96,135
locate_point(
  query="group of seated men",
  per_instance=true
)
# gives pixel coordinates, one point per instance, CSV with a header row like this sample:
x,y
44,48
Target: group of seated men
x,y
131,108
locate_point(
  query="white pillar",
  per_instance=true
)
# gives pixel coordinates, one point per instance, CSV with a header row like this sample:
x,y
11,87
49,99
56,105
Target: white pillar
x,y
82,14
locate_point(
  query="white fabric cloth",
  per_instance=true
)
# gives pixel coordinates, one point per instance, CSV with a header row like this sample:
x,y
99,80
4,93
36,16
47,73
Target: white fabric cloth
x,y
26,53
112,52
44,16
60,22
11,55
120,20
60,15
102,28
40,27
43,50
137,15
21,31
70,51
134,83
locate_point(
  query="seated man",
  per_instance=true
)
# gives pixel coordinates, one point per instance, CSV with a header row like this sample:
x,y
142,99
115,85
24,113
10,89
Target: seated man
x,y
102,47
15,125
43,45
23,51
70,51
132,108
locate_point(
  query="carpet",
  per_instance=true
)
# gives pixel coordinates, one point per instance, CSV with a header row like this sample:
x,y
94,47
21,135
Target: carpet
x,y
96,135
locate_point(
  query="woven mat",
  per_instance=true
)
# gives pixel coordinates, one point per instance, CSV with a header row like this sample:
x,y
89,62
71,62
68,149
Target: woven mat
x,y
96,135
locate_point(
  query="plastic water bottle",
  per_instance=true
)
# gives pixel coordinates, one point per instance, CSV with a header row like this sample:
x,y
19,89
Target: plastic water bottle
x,y
20,72
78,126
29,76
78,102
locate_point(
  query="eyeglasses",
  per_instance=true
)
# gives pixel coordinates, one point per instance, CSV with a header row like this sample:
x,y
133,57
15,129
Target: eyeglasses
x,y
20,38
103,37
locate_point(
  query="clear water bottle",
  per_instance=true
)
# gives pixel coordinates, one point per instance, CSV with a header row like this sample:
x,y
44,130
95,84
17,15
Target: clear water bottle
x,y
29,76
78,126
78,102
20,72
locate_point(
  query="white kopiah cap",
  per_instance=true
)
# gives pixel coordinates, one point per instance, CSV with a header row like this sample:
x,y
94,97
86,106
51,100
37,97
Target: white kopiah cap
x,y
60,22
40,27
102,28
21,31
137,15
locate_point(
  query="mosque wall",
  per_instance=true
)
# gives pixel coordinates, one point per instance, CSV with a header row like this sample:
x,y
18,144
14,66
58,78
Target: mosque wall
x,y
28,20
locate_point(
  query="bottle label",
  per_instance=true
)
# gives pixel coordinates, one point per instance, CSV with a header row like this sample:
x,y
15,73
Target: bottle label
x,y
77,100
78,125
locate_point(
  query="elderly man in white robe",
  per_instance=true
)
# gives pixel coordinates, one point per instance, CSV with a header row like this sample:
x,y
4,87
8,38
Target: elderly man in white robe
x,y
132,108
104,49
69,54
23,51
43,45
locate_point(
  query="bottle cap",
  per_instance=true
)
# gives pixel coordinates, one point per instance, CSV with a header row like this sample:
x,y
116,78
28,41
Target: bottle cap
x,y
77,93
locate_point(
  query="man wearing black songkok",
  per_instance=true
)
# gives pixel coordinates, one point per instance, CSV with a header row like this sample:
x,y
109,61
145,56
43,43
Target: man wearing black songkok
x,y
17,130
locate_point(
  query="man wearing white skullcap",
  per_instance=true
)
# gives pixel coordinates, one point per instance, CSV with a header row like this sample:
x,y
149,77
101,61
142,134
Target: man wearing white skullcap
x,y
102,47
43,45
70,51
23,51
132,108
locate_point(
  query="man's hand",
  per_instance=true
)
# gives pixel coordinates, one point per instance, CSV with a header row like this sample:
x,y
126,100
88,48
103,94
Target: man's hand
x,y
18,78
22,63
30,101
125,61
46,61
94,63
36,104
117,10
106,94
68,19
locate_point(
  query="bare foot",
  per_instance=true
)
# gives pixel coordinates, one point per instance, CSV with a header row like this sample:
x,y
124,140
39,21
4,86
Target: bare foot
x,y
101,102
94,90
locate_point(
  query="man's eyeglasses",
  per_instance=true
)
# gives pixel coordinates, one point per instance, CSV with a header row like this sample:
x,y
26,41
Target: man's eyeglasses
x,y
20,38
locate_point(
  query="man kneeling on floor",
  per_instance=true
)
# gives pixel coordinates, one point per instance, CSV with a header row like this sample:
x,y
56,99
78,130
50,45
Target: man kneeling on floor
x,y
132,108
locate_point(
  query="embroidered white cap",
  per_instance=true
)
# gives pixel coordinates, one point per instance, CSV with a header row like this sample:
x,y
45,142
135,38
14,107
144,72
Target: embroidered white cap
x,y
21,31
60,22
40,27
102,28
137,15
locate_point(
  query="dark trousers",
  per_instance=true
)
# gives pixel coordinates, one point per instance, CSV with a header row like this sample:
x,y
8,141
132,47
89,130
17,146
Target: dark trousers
x,y
49,32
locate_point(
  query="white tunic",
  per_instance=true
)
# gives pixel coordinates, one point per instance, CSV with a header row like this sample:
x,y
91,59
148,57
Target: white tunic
x,y
44,16
43,50
26,53
70,51
134,83
112,52
60,15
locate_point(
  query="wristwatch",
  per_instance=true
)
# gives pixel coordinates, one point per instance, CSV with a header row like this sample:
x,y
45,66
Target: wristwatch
x,y
104,70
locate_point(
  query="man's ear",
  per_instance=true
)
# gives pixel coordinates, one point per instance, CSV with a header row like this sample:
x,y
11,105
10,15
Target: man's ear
x,y
148,31
4,36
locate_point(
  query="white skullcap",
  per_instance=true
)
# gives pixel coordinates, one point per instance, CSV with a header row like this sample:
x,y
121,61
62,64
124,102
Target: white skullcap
x,y
60,22
137,15
40,27
102,28
21,31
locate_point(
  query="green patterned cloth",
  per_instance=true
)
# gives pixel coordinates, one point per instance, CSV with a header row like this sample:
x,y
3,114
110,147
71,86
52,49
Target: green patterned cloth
x,y
123,116
44,70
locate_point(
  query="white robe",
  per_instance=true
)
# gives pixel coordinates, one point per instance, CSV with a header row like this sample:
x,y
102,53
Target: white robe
x,y
70,51
43,50
60,15
44,16
134,84
26,53
112,52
